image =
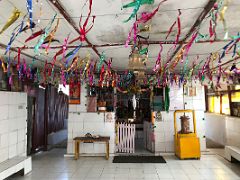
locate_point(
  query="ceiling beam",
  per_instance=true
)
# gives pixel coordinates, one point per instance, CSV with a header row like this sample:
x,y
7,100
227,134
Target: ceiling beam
x,y
199,20
68,18
122,44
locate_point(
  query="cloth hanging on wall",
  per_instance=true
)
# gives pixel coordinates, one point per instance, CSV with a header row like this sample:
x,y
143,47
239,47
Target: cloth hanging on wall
x,y
167,99
92,104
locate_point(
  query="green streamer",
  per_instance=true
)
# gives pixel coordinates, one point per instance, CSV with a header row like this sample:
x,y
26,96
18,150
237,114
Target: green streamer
x,y
167,99
46,33
132,4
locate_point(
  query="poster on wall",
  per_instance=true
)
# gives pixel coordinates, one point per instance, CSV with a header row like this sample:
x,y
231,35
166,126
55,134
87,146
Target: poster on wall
x,y
74,92
192,91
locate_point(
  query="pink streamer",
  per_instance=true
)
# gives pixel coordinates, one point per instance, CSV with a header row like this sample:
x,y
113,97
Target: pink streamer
x,y
188,46
158,61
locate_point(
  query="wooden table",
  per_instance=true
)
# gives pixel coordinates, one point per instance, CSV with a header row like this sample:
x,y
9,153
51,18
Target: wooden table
x,y
78,140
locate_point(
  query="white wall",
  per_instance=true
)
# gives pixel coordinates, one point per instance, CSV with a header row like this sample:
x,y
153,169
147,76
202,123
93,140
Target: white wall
x,y
164,131
13,125
80,122
216,128
223,129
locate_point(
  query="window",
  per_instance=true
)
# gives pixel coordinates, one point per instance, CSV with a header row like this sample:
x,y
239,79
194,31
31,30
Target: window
x,y
220,101
235,103
214,104
225,104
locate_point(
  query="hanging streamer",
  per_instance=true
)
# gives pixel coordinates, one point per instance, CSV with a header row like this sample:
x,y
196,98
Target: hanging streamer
x,y
30,12
14,35
136,6
43,37
73,53
15,15
34,35
51,36
157,66
222,18
3,65
83,28
101,60
178,22
145,17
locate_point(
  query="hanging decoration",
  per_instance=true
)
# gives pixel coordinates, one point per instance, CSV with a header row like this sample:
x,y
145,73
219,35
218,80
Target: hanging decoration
x,y
34,35
43,37
50,37
14,35
137,4
101,60
222,18
15,15
30,12
157,66
145,17
178,22
83,28
72,54
3,65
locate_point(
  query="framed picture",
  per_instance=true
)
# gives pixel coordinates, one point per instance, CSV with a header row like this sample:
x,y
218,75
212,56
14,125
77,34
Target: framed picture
x,y
192,91
74,92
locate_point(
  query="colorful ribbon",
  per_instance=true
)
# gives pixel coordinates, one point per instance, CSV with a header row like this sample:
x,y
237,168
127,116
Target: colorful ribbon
x,y
101,60
30,12
15,15
83,29
43,37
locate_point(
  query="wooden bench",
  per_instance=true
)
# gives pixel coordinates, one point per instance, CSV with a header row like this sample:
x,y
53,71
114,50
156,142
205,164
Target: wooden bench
x,y
232,153
78,140
14,165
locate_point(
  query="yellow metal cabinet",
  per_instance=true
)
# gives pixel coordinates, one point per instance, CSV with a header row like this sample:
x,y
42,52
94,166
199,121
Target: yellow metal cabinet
x,y
186,145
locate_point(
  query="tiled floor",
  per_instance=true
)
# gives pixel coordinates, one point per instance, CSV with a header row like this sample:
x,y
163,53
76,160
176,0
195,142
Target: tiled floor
x,y
52,165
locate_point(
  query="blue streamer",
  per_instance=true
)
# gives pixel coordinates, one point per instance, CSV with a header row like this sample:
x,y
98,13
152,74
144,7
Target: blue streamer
x,y
30,12
73,54
14,35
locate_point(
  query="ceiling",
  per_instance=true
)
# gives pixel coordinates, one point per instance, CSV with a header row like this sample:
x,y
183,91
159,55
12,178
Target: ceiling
x,y
109,28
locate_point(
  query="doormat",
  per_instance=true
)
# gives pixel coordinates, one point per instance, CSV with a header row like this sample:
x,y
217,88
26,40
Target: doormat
x,y
138,159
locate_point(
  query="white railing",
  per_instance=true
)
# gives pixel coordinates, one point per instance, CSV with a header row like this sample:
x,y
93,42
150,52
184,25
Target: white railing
x,y
126,138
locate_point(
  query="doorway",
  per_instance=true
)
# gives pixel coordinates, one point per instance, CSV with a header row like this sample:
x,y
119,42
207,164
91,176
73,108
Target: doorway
x,y
31,109
135,109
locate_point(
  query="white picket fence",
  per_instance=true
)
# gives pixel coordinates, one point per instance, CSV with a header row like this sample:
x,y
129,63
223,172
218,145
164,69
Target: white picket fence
x,y
126,138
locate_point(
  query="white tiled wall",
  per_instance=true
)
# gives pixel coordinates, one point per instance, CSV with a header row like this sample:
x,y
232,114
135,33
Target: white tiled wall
x,y
80,122
233,131
222,129
13,125
164,131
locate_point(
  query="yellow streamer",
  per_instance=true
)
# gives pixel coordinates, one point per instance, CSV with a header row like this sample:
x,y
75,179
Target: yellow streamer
x,y
51,35
222,18
15,15
3,65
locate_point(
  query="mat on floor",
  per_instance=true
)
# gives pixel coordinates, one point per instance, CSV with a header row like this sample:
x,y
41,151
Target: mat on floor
x,y
138,159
